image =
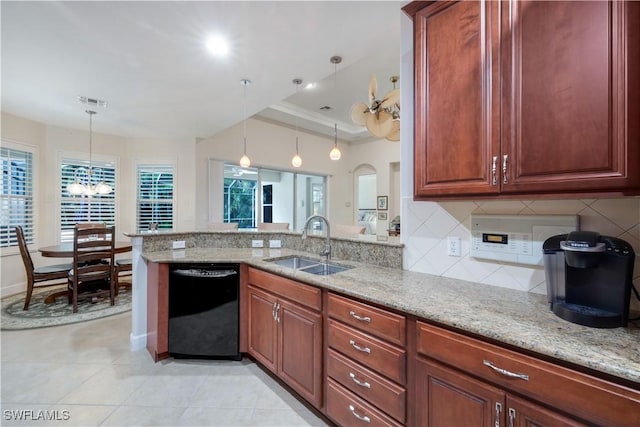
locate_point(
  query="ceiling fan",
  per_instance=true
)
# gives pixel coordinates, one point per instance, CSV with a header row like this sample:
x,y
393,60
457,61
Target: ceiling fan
x,y
381,116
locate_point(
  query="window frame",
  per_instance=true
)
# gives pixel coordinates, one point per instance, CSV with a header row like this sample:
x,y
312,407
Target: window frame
x,y
33,150
156,166
82,160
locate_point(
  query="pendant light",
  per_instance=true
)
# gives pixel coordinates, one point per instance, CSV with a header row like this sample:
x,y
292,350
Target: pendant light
x,y
296,161
77,188
335,153
245,162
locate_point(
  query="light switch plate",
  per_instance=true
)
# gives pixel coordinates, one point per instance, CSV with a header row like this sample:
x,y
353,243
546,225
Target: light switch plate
x,y
178,244
453,246
257,243
275,243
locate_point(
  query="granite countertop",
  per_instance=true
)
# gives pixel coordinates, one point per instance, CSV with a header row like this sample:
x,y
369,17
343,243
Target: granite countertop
x,y
521,319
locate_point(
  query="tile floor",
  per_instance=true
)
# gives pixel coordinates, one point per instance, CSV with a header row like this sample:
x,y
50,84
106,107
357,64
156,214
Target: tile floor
x,y
85,375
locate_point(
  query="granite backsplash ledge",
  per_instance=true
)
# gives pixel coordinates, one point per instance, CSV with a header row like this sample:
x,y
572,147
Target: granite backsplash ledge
x,y
360,249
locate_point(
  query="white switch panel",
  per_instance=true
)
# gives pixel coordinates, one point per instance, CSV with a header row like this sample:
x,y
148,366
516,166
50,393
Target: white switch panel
x,y
257,243
453,246
178,244
275,243
516,238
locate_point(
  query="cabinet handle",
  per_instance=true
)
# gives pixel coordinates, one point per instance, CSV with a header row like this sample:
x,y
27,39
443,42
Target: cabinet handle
x,y
505,177
359,382
273,311
277,313
358,416
357,347
494,171
505,372
512,417
360,318
498,411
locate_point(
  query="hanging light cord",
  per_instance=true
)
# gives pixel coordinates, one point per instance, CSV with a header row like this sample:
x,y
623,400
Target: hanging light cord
x,y
297,82
244,122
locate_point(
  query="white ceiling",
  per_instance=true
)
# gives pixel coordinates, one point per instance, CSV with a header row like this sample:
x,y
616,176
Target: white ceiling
x,y
148,61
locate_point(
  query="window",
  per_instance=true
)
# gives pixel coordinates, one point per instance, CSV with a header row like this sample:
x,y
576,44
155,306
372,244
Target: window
x,y
155,197
240,200
17,195
79,208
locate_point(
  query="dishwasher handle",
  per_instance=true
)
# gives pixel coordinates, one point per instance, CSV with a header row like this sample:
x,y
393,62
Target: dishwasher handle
x,y
201,272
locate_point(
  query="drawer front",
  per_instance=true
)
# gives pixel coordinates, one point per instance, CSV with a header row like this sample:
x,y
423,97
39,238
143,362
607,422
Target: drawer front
x,y
346,409
582,395
290,289
370,351
375,389
372,320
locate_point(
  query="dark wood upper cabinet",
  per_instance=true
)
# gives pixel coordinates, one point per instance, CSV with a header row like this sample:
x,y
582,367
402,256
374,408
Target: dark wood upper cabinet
x,y
526,98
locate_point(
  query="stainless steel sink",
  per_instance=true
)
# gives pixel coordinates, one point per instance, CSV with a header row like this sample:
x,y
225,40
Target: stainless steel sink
x,y
325,269
309,265
294,261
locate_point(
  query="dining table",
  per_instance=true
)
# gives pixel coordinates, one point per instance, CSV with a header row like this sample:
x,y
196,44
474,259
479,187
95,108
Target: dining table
x,y
65,250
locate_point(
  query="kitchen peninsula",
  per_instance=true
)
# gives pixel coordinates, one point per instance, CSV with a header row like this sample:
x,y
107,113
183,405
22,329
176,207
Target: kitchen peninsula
x,y
446,321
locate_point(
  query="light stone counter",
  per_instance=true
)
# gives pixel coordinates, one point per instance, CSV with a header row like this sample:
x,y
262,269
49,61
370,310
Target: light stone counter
x,y
513,317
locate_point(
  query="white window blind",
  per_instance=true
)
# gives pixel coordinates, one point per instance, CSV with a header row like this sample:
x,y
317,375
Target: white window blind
x,y
17,195
155,197
79,208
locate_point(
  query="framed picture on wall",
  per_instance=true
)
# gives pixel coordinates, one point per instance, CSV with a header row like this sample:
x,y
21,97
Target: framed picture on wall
x,y
382,216
382,203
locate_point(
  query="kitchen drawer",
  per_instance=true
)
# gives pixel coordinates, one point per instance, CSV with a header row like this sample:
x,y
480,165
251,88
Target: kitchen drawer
x,y
582,395
306,295
372,320
347,409
370,351
377,390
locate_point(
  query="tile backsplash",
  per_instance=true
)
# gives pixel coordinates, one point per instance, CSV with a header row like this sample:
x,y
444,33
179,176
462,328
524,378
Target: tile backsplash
x,y
427,225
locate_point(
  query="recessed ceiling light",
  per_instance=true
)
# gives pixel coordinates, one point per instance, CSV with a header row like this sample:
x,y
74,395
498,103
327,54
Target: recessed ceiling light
x,y
217,45
310,85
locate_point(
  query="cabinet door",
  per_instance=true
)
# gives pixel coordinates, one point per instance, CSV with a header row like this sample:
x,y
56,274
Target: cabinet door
x,y
523,413
457,108
446,398
262,325
300,350
568,97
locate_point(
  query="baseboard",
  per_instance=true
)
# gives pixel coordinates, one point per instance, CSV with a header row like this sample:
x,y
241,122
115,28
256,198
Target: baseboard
x,y
137,342
18,288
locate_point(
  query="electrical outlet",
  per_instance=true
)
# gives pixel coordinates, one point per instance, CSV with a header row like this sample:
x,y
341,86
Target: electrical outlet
x,y
453,246
178,244
257,243
275,243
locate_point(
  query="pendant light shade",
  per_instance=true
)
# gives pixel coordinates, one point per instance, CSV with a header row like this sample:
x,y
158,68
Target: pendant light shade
x,y
245,162
83,178
296,161
335,153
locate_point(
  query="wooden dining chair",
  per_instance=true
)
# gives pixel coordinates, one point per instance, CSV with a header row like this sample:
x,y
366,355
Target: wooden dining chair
x,y
123,270
48,275
93,264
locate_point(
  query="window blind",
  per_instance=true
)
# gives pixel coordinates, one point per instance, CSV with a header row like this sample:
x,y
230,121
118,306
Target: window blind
x,y
80,208
155,197
17,195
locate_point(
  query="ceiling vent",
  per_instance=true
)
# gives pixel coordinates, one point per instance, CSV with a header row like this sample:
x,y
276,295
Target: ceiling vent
x,y
92,102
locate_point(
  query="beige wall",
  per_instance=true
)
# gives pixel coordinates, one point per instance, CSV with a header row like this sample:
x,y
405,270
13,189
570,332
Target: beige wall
x,y
50,143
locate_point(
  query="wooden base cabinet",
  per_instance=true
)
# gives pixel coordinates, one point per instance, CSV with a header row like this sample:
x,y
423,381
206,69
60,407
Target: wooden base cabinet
x,y
446,397
465,381
285,331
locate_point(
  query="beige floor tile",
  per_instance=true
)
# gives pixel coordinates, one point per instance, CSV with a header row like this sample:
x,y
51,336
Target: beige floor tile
x,y
144,416
216,417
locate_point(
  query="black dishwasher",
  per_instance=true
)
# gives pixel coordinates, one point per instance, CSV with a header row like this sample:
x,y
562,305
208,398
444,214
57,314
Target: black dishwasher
x,y
204,311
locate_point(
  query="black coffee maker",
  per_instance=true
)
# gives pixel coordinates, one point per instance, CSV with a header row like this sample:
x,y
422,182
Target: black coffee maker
x,y
589,278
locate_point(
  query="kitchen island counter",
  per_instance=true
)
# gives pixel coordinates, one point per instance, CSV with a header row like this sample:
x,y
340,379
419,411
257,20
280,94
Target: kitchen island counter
x,y
519,319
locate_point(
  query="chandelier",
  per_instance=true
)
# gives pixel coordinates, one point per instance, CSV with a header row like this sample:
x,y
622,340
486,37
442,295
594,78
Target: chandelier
x,y
84,178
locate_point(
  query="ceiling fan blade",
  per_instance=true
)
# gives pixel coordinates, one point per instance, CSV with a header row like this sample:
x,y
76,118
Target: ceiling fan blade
x,y
373,89
359,114
391,98
394,134
380,124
